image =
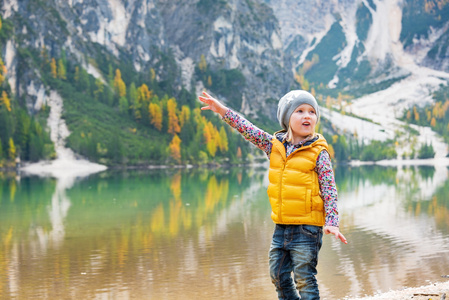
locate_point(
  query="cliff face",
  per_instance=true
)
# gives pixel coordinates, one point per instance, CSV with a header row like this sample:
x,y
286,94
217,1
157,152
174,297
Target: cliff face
x,y
358,45
346,44
239,34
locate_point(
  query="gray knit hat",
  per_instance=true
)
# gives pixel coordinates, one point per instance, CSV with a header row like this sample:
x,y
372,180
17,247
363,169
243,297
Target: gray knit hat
x,y
291,101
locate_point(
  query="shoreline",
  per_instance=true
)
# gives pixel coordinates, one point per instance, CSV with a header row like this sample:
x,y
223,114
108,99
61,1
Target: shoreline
x,y
434,291
57,168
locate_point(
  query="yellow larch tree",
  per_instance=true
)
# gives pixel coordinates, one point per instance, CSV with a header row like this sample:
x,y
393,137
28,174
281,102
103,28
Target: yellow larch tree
x,y
152,75
155,111
175,148
239,153
409,115
119,84
173,121
433,123
329,102
53,67
207,133
4,100
62,73
142,100
3,71
209,80
144,93
415,113
223,140
211,137
11,149
184,115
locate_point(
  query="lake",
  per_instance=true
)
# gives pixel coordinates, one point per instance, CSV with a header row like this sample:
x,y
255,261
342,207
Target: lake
x,y
205,234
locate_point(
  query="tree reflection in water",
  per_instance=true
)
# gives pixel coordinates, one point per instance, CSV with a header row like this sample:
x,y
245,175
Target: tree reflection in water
x,y
169,234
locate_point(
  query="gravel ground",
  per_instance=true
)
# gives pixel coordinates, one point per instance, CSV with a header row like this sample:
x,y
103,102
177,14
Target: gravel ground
x,y
432,291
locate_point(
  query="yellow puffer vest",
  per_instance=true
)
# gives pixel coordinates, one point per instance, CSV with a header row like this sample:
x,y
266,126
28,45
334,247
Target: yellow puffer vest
x,y
294,190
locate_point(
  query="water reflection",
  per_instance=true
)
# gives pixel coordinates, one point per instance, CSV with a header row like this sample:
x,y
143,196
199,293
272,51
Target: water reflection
x,y
171,234
393,241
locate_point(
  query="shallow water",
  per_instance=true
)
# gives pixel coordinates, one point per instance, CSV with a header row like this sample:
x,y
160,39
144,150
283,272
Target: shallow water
x,y
205,234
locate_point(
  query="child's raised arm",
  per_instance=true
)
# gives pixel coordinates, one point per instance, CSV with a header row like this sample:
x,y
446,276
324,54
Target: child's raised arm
x,y
213,104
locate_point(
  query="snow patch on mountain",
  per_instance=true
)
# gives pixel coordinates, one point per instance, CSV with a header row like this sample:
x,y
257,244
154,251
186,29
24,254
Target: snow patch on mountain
x,y
385,30
365,131
66,165
348,23
385,107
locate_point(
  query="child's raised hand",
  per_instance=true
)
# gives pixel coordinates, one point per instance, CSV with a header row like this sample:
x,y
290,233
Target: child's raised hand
x,y
335,231
212,104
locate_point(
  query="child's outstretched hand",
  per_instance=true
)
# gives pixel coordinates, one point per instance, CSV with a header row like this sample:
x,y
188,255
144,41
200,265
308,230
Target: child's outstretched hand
x,y
212,104
335,231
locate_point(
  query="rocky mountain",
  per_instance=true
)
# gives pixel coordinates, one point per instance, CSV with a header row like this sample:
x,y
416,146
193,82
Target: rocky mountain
x,y
267,41
240,35
254,50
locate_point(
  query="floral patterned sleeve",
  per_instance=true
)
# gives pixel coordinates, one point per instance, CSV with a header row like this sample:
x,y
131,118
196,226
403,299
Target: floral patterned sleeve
x,y
250,132
328,188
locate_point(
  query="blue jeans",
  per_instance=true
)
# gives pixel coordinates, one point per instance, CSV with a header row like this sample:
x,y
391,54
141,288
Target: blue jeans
x,y
295,248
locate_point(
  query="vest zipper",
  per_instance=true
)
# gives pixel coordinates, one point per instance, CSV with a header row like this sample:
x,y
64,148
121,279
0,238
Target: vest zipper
x,y
280,193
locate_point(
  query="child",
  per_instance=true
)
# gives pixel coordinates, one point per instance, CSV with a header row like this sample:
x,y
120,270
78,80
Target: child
x,y
302,190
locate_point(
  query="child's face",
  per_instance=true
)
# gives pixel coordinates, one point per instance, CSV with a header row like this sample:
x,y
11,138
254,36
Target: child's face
x,y
303,121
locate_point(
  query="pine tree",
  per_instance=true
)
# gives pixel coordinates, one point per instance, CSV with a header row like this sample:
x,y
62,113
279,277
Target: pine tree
x,y
132,94
123,105
77,74
44,56
203,64
36,142
22,132
83,82
100,89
